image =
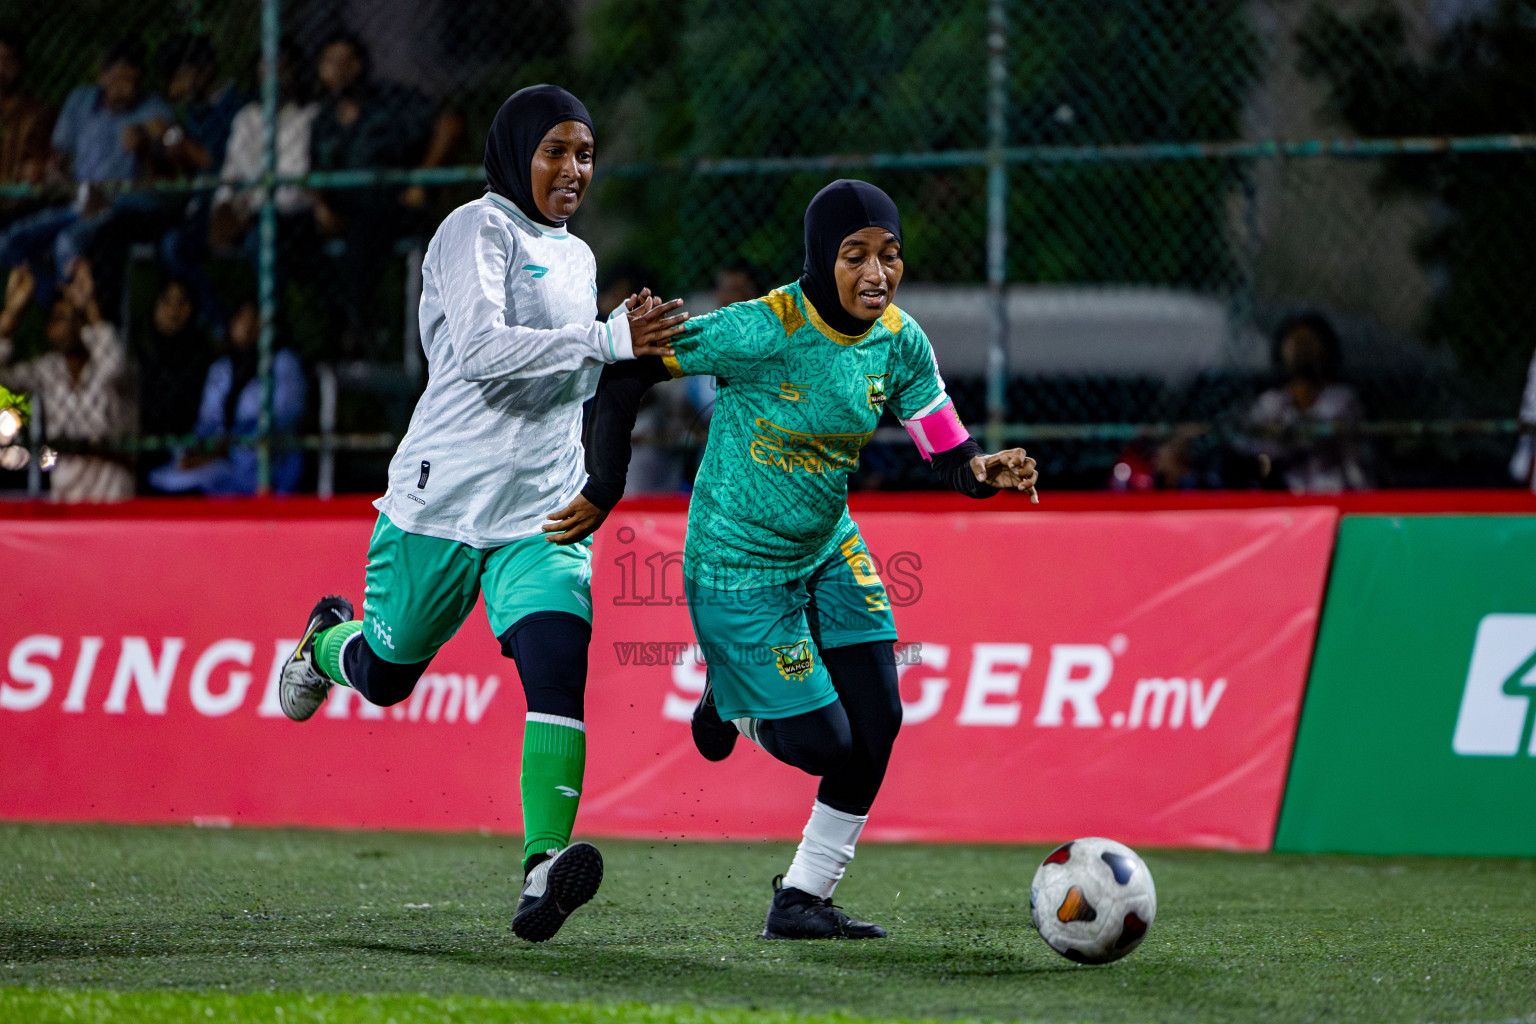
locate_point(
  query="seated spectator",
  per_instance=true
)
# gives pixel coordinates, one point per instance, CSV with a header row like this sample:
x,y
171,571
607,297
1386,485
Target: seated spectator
x,y
205,105
1308,427
365,124
239,199
228,416
228,227
174,359
25,126
100,136
79,386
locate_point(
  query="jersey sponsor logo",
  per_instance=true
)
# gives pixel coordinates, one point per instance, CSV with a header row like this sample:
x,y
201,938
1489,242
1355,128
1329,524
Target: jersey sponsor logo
x,y
791,392
794,661
426,469
876,389
1497,710
535,270
788,450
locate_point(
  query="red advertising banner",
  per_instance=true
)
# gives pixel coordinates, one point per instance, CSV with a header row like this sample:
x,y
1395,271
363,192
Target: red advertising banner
x,y
1134,674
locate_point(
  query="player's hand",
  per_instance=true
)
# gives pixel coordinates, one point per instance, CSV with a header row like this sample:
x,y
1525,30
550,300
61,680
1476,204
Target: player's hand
x,y
577,521
650,326
1008,470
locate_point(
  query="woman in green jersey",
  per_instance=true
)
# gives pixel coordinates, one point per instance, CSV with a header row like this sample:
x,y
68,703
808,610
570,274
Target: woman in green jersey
x,y
792,618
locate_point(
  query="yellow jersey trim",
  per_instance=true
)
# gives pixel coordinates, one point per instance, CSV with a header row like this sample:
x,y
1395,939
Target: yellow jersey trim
x,y
786,309
890,320
673,366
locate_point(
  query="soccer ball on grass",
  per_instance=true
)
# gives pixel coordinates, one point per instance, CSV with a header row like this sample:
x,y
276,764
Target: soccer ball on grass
x,y
1092,900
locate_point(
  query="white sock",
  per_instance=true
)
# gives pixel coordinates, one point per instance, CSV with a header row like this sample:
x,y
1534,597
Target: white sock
x,y
824,853
747,727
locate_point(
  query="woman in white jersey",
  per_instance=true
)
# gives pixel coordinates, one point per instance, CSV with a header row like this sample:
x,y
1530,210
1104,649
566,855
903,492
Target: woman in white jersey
x,y
514,347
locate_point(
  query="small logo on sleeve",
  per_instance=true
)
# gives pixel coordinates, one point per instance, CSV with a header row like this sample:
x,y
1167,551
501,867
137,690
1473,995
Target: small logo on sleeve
x,y
535,270
421,481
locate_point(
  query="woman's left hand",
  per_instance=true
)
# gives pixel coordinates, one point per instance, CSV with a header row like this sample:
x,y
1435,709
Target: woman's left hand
x,y
577,521
1008,470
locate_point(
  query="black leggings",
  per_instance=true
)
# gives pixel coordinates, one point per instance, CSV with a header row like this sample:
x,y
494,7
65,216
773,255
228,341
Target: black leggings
x,y
550,649
848,743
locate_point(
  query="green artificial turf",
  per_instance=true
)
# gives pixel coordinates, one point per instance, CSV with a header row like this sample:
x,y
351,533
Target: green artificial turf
x,y
96,921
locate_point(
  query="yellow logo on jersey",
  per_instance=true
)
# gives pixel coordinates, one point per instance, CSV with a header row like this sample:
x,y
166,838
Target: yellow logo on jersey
x,y
795,660
876,389
791,392
773,445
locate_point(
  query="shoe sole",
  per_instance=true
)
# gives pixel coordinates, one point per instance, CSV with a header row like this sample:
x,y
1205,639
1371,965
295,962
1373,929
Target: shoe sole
x,y
574,879
316,623
288,703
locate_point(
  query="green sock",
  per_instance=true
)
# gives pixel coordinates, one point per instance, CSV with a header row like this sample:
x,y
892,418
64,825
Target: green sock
x,y
554,757
328,648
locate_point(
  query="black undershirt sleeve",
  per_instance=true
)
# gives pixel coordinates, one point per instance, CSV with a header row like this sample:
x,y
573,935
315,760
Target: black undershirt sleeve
x,y
954,468
610,421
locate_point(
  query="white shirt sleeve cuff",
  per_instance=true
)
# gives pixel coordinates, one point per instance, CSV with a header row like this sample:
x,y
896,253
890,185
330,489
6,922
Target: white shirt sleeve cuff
x,y
618,343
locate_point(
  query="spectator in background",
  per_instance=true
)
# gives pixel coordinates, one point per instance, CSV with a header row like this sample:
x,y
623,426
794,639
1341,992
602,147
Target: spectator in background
x,y
205,105
363,123
100,136
229,411
172,364
193,146
228,228
80,384
25,124
1308,428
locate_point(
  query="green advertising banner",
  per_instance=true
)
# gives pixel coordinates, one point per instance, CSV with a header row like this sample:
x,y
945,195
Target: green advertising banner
x,y
1416,733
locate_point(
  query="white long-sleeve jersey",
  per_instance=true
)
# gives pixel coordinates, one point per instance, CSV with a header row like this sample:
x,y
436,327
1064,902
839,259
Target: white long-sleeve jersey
x,y
513,345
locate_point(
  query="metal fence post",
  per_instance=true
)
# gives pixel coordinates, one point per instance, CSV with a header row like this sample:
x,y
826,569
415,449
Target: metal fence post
x,y
267,273
997,223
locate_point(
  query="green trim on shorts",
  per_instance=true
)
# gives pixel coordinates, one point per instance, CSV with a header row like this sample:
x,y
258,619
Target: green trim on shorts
x,y
420,589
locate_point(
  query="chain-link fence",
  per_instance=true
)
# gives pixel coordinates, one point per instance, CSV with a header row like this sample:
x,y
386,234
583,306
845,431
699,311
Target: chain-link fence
x,y
1109,211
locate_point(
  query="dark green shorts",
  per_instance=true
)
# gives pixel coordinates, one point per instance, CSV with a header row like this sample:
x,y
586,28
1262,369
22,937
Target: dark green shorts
x,y
420,589
762,646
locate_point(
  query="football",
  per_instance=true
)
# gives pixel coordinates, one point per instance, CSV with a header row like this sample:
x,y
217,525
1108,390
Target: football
x,y
1092,900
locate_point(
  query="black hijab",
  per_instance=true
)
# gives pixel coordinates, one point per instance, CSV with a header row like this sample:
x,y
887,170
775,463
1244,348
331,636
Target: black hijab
x,y
516,131
837,211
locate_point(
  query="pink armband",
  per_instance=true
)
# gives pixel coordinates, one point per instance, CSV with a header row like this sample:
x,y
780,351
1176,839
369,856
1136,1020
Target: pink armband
x,y
939,431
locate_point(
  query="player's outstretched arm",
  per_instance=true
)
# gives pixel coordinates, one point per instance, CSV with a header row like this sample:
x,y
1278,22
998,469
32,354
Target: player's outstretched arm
x,y
609,425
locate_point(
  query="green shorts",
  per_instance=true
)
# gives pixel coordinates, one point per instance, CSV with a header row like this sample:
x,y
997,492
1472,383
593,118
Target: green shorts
x,y
420,589
762,645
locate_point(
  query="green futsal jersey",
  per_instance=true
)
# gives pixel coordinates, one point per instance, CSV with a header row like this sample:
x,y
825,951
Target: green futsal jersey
x,y
797,401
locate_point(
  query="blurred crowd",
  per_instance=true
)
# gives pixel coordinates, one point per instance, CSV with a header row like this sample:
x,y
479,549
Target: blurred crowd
x,y
180,384
191,372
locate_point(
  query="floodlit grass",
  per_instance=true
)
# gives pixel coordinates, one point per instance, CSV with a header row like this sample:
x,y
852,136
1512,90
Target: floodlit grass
x,y
168,924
